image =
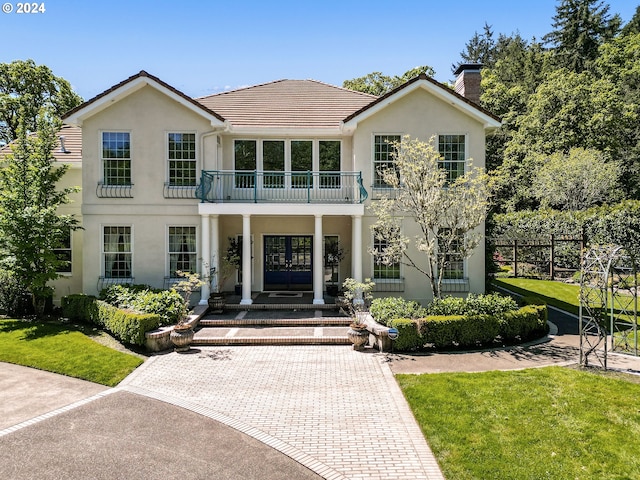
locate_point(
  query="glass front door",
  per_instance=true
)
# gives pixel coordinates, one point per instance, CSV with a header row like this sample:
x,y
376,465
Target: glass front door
x,y
288,262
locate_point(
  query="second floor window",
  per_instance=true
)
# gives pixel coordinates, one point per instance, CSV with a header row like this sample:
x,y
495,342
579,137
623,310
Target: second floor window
x,y
383,157
452,153
182,159
116,158
329,153
245,158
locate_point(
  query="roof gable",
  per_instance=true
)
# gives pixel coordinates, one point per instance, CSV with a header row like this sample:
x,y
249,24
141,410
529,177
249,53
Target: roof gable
x,y
439,90
287,104
131,85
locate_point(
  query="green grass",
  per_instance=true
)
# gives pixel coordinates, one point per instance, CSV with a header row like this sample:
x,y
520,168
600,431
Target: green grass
x,y
63,349
564,296
548,423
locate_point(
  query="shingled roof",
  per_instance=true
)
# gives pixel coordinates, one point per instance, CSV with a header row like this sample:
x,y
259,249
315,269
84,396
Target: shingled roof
x,y
287,103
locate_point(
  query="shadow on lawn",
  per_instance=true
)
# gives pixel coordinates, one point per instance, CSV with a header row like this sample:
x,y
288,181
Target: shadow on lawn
x,y
38,328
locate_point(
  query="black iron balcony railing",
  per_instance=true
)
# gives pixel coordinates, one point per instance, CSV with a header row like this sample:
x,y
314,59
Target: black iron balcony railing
x,y
241,186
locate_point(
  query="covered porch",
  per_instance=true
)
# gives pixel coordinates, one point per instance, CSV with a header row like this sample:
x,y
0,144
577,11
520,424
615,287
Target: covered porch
x,y
285,253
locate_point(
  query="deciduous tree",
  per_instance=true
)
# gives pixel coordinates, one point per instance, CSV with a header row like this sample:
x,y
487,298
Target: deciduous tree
x,y
447,213
25,88
376,83
31,227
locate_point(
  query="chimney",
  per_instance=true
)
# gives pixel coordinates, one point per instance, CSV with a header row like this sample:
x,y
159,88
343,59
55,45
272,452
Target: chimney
x,y
468,81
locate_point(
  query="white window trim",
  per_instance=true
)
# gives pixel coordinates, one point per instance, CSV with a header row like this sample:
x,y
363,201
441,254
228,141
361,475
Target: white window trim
x,y
373,157
400,278
466,146
102,252
102,159
167,268
167,160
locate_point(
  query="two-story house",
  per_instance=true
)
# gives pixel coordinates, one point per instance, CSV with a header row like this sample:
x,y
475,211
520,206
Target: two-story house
x,y
284,168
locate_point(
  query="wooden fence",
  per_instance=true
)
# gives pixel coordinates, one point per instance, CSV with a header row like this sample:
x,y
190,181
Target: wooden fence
x,y
552,256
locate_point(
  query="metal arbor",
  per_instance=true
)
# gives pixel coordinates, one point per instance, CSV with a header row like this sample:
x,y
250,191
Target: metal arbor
x,y
608,301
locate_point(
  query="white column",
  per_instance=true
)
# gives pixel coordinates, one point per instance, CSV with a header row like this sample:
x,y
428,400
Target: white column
x,y
246,260
318,268
356,247
214,256
205,233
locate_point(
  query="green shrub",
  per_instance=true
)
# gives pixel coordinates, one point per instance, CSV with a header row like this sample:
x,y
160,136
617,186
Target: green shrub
x,y
14,298
78,307
524,323
453,331
383,310
443,331
125,325
490,304
168,304
409,335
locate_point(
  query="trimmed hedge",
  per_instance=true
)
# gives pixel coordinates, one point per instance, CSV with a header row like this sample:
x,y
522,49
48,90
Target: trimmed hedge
x,y
79,307
463,331
409,335
126,325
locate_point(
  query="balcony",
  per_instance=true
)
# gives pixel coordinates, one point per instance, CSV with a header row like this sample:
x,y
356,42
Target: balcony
x,y
224,186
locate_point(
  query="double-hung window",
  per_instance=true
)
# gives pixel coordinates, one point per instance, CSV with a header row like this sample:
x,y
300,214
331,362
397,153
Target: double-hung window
x,y
116,158
453,260
383,271
182,250
181,151
63,253
452,150
384,150
116,252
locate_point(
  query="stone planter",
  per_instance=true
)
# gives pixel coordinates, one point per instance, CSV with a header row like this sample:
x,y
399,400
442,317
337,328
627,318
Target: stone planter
x,y
358,335
217,302
181,337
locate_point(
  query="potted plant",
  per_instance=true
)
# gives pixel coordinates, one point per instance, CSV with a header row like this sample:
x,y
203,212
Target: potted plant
x,y
357,299
234,258
334,254
218,276
182,333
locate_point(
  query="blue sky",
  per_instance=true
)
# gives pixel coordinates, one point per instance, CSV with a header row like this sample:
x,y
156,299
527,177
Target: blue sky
x,y
203,47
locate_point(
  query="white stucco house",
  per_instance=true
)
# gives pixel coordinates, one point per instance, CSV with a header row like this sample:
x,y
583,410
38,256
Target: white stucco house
x,y
167,180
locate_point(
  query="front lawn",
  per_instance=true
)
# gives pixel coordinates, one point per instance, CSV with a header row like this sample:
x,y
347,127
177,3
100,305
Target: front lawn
x,y
564,296
63,349
549,423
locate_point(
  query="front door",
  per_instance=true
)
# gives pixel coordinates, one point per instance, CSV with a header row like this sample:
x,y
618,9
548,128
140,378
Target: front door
x,y
288,262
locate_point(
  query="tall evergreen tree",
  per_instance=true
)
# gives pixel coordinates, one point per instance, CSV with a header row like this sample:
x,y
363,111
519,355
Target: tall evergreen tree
x,y
580,27
633,26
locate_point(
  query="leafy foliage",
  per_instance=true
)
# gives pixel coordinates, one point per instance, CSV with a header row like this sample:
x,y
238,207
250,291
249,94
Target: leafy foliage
x,y
490,304
376,83
25,88
30,223
383,310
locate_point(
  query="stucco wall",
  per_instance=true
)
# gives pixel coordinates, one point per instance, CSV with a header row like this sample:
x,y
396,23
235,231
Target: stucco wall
x,y
420,115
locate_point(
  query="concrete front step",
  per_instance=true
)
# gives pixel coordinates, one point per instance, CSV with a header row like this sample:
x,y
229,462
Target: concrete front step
x,y
272,335
275,322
